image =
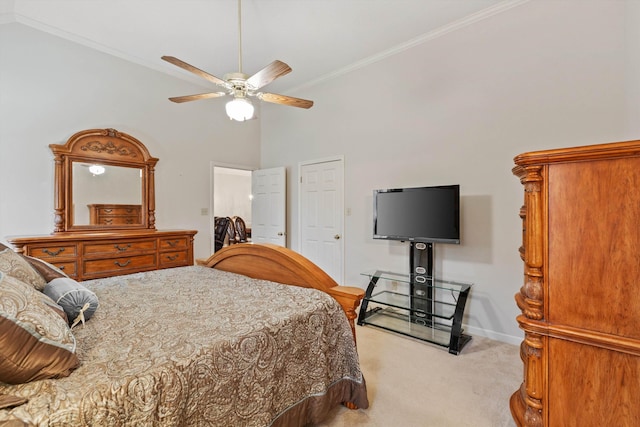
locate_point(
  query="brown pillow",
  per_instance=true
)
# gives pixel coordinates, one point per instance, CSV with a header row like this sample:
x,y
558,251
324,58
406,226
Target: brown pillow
x,y
15,265
35,340
46,270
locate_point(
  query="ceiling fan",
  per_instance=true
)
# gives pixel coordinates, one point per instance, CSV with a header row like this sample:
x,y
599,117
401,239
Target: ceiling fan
x,y
241,86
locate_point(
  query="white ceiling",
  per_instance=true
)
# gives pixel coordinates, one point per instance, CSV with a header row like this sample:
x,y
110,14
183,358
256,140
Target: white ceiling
x,y
319,39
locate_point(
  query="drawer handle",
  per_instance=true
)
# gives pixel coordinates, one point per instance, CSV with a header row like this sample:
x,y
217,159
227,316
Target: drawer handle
x,y
173,243
172,257
56,253
129,220
108,221
129,210
122,248
108,210
122,265
61,267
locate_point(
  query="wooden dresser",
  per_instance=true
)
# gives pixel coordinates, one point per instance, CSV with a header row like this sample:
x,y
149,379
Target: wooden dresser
x,y
119,237
110,214
85,256
580,300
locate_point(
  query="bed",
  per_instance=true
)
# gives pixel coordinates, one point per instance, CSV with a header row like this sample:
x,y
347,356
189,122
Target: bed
x,y
227,342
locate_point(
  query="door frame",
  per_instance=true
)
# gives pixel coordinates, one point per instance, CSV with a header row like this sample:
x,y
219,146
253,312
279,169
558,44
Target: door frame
x,y
336,158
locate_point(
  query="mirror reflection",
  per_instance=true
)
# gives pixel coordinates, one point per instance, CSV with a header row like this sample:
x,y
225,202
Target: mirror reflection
x,y
106,194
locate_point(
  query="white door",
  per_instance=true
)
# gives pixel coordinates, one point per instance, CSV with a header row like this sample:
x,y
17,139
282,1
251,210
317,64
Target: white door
x,y
322,215
268,206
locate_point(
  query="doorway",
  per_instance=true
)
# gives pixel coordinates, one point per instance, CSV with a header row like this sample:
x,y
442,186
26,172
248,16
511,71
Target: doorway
x,y
256,196
231,196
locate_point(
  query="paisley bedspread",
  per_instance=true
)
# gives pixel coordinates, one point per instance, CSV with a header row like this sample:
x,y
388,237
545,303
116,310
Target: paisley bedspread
x,y
194,346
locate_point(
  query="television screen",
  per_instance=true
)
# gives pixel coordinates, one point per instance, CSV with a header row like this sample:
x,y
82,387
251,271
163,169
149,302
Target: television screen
x,y
424,214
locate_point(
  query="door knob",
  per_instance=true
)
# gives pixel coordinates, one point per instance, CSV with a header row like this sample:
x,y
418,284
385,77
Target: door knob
x,y
337,237
280,233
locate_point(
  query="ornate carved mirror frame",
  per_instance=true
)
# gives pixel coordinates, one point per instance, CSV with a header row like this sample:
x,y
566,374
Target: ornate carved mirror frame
x,y
103,147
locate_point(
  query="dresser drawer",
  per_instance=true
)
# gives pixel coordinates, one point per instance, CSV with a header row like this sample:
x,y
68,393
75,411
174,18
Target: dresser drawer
x,y
121,265
119,247
53,252
173,243
115,214
173,259
119,220
70,268
135,211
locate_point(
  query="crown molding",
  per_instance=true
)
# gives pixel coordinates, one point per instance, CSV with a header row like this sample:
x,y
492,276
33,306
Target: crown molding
x,y
41,26
424,38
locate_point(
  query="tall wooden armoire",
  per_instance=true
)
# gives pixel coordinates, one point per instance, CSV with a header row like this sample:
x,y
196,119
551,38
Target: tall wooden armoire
x,y
581,296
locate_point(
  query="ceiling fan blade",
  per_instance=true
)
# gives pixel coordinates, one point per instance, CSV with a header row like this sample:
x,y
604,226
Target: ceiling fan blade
x,y
194,70
188,98
268,74
286,100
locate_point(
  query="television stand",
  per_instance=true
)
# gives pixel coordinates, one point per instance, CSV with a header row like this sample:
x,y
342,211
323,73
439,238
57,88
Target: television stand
x,y
432,312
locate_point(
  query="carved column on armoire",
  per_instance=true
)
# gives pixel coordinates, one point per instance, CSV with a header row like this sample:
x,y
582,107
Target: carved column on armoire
x,y
530,398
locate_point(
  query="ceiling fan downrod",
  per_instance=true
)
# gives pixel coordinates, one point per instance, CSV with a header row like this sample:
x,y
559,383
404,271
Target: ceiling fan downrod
x,y
240,36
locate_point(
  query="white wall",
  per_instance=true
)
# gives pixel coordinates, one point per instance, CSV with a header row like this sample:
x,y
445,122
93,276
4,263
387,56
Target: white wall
x,y
456,110
632,48
51,88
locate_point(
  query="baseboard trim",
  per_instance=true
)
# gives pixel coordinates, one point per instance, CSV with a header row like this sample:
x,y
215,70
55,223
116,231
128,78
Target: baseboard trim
x,y
498,336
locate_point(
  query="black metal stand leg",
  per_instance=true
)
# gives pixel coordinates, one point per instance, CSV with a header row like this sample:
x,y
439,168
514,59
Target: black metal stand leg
x,y
458,339
365,301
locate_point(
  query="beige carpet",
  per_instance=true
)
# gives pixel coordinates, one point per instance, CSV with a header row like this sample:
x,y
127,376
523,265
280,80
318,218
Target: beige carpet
x,y
413,383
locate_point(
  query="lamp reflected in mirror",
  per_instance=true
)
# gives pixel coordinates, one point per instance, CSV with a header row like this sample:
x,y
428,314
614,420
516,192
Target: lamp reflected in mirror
x,y
96,169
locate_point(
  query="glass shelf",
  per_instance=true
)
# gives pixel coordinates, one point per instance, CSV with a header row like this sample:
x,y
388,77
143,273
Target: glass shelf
x,y
406,279
417,306
442,309
398,320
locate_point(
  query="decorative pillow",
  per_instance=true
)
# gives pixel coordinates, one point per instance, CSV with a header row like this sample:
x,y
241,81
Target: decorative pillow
x,y
46,270
78,302
14,265
35,341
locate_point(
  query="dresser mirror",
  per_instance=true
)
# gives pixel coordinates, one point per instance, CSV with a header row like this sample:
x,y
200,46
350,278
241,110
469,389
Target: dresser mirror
x,y
97,186
104,180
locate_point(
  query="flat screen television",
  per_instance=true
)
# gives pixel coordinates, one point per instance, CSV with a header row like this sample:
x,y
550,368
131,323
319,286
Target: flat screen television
x,y
422,214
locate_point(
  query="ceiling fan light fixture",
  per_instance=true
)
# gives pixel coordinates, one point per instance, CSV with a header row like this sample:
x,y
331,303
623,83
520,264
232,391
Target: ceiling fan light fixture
x,y
239,109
